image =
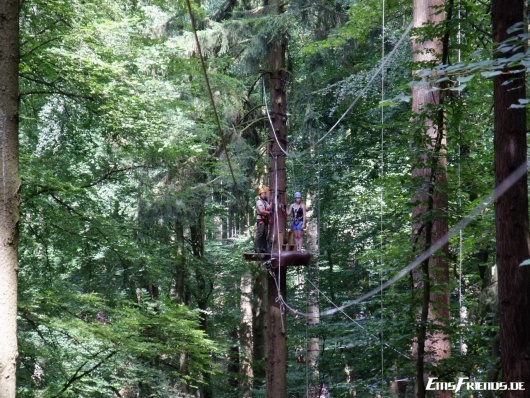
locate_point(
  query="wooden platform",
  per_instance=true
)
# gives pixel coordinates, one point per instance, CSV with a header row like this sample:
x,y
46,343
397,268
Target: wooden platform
x,y
286,258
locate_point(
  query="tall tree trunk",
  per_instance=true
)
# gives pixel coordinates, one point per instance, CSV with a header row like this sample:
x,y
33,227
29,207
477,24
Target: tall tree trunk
x,y
233,356
179,294
259,327
204,284
178,290
429,223
9,194
245,332
511,209
313,308
276,325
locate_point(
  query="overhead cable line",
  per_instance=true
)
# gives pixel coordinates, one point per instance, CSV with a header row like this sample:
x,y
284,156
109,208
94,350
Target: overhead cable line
x,y
464,222
357,323
210,93
283,303
359,95
278,280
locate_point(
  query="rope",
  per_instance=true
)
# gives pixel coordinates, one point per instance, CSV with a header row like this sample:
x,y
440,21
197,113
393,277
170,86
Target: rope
x,y
216,115
270,120
279,299
338,309
357,323
359,95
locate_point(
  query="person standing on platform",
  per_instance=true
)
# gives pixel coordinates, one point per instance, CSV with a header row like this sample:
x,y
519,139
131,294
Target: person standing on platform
x,y
297,213
263,210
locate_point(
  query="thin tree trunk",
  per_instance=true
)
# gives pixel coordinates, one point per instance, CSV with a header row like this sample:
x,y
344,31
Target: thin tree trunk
x,y
246,352
276,325
204,284
233,366
313,307
9,194
259,327
511,209
178,293
178,287
429,223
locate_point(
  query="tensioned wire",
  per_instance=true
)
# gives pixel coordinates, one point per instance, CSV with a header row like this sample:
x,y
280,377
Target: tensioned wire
x,y
277,279
464,222
499,191
339,309
357,97
460,251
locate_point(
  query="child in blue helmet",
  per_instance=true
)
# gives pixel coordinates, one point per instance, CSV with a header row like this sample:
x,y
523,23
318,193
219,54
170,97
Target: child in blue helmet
x,y
297,213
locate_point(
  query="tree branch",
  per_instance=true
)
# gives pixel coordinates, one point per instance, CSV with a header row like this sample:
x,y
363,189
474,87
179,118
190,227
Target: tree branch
x,y
77,375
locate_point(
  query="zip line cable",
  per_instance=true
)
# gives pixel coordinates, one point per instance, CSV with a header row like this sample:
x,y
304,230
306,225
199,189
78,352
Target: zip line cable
x,y
216,114
277,279
359,95
355,322
464,222
339,309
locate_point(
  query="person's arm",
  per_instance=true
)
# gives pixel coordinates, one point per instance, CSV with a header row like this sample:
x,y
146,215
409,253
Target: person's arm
x,y
303,215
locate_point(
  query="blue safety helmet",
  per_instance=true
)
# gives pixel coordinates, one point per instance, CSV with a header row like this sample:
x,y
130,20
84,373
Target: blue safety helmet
x,y
297,195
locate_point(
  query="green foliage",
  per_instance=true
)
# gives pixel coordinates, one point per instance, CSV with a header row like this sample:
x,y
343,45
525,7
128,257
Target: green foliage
x,y
132,229
79,345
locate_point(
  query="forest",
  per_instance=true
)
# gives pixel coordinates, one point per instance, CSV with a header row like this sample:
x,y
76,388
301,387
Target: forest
x,y
135,135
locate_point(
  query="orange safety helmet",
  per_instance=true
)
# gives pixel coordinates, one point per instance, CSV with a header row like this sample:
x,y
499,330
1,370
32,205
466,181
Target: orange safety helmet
x,y
262,190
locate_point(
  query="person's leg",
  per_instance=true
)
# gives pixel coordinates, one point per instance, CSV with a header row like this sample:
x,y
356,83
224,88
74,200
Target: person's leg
x,y
301,239
258,242
298,239
265,246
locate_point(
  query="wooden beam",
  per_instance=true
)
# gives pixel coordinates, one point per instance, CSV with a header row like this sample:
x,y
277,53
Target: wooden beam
x,y
285,259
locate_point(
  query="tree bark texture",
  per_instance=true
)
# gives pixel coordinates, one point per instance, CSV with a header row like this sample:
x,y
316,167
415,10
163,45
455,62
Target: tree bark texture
x,y
313,305
511,209
276,325
204,283
259,327
277,140
178,287
429,223
9,194
245,332
276,338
